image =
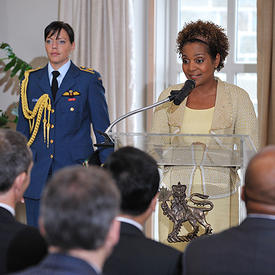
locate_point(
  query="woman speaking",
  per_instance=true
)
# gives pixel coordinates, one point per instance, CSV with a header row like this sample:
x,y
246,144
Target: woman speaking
x,y
212,107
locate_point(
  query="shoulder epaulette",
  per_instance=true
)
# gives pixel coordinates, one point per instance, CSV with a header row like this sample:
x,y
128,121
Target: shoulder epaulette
x,y
33,70
85,69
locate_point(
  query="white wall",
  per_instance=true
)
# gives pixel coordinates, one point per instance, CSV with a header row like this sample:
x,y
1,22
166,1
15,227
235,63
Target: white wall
x,y
22,24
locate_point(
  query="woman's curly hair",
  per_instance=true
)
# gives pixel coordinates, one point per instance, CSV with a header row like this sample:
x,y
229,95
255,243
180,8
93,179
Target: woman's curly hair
x,y
208,33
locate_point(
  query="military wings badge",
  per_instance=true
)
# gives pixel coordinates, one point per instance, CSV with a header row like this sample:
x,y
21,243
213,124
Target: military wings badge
x,y
71,93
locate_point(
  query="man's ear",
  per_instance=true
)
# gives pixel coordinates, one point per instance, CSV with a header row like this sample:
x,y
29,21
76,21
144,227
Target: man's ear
x,y
41,227
18,186
115,231
112,236
154,202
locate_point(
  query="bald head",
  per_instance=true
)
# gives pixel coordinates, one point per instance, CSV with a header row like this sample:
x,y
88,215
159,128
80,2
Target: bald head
x,y
259,189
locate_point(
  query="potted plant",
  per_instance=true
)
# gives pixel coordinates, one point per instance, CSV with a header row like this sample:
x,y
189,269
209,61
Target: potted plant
x,y
17,67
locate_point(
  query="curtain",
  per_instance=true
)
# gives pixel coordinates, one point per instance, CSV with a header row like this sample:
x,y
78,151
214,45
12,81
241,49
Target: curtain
x,y
104,38
266,70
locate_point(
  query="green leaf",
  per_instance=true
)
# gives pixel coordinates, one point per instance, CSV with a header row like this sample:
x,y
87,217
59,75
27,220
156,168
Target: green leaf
x,y
11,55
23,69
17,67
3,119
28,67
14,62
4,45
10,64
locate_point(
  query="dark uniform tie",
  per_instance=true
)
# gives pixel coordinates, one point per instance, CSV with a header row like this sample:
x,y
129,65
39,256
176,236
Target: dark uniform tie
x,y
55,83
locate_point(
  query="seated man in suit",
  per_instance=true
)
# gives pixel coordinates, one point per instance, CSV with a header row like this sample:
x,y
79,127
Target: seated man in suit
x,y
250,247
77,217
137,177
20,245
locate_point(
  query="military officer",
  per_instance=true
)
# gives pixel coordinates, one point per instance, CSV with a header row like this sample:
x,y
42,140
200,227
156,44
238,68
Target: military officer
x,y
58,104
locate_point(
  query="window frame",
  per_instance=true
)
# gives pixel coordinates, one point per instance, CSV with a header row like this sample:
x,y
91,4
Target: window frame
x,y
166,60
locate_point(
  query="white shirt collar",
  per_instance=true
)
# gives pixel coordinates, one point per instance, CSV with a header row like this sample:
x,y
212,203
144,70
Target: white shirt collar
x,y
7,207
62,70
98,271
263,216
130,221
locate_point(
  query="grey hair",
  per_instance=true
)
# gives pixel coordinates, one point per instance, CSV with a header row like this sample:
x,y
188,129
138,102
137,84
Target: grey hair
x,y
15,157
78,207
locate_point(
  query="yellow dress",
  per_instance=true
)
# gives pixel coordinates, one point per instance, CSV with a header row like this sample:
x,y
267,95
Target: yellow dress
x,y
225,211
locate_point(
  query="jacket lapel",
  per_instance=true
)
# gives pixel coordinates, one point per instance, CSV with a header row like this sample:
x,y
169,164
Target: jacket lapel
x,y
176,115
222,117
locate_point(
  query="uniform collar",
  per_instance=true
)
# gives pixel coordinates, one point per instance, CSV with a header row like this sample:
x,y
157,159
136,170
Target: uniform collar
x,y
62,70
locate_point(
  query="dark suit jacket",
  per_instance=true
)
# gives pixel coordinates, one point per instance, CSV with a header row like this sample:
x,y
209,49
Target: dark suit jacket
x,y
246,249
60,264
137,255
20,245
70,120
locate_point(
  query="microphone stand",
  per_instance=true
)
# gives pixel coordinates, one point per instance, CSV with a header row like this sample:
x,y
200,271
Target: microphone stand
x,y
109,142
177,96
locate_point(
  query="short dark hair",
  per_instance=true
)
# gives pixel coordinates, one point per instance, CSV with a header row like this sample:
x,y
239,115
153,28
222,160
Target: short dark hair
x,y
78,207
137,177
57,26
15,157
213,36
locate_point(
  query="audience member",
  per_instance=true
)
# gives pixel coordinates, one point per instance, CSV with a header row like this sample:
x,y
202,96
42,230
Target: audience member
x,y
20,245
248,248
137,177
77,219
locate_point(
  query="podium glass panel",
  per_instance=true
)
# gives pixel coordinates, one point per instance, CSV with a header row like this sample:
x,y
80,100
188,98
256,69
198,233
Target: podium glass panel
x,y
210,170
189,149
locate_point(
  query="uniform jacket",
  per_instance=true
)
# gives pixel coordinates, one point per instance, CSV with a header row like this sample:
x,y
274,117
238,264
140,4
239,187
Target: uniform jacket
x,y
246,249
233,114
61,264
21,246
71,118
137,255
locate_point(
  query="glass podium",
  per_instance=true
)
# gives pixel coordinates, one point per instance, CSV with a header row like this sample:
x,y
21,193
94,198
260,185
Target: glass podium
x,y
200,170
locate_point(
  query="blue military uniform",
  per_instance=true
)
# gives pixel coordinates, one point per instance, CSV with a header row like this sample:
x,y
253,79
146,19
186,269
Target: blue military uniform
x,y
79,102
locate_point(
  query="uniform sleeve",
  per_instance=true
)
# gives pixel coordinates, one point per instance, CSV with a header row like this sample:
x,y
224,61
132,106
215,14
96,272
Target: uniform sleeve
x,y
99,113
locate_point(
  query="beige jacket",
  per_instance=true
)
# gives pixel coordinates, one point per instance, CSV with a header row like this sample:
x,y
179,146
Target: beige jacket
x,y
233,114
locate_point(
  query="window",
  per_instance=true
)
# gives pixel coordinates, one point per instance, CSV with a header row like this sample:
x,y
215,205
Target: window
x,y
237,17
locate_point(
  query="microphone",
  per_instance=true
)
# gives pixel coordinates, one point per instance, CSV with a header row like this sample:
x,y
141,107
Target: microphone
x,y
176,96
189,85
